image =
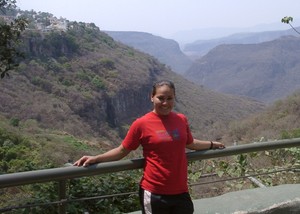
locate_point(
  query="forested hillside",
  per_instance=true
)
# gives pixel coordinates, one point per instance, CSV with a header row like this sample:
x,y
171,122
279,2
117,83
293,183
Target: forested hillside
x,y
278,121
81,82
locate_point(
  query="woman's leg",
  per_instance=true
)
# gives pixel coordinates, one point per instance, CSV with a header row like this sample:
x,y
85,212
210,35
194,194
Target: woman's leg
x,y
183,204
153,203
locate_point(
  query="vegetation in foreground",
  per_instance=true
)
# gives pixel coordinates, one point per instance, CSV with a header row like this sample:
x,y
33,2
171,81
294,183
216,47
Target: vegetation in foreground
x,y
26,151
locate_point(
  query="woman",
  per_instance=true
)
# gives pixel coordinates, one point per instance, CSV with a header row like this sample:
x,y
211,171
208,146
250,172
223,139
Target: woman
x,y
164,135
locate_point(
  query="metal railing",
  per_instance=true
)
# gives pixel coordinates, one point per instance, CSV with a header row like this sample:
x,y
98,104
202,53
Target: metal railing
x,y
64,173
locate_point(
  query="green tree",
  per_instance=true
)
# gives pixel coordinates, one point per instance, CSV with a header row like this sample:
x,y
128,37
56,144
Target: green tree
x,y
288,20
10,33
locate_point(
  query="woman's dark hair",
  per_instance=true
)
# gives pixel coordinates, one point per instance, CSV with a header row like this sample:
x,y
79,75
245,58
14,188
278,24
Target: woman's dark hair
x,y
161,83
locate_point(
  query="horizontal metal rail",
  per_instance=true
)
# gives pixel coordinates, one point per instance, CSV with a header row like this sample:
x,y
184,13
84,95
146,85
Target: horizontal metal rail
x,y
63,173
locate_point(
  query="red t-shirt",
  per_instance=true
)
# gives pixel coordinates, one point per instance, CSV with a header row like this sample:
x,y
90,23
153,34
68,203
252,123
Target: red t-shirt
x,y
163,139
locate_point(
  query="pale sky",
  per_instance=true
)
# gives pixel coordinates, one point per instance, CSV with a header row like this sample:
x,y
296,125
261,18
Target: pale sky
x,y
166,17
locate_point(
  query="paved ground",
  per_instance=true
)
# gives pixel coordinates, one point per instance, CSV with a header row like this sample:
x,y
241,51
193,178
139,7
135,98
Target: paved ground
x,y
283,199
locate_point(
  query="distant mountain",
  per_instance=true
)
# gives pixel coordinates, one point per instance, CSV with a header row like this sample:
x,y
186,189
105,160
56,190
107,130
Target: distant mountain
x,y
209,33
199,48
165,50
169,52
266,71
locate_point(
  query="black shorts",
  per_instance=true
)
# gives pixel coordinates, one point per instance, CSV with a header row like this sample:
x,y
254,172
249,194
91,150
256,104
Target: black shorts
x,y
165,204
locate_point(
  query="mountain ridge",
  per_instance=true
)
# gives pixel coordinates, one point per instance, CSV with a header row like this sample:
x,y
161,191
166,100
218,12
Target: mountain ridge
x,y
266,71
201,47
165,50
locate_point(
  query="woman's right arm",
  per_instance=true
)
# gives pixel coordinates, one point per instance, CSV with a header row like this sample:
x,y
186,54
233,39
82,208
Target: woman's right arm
x,y
112,155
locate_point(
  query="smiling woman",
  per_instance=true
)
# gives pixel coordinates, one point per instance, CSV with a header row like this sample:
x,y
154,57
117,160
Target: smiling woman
x,y
164,136
163,97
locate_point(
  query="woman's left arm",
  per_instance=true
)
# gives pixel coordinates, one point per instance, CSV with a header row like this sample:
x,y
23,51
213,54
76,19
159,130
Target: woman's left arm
x,y
203,145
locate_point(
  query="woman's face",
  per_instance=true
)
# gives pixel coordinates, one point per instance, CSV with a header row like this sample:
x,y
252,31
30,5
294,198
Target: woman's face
x,y
163,100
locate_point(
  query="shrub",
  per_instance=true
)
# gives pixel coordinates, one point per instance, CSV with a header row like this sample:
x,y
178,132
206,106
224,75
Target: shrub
x,y
14,122
98,83
108,64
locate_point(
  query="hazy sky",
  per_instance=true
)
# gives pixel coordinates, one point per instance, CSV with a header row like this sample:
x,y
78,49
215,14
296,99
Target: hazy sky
x,y
166,17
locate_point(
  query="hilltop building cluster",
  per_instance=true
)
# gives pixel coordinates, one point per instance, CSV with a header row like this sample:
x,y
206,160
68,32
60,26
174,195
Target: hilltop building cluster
x,y
55,24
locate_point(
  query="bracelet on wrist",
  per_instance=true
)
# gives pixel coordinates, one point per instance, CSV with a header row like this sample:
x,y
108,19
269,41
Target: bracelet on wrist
x,y
211,145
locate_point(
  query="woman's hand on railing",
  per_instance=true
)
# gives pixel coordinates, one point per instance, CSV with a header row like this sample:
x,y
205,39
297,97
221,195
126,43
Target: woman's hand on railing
x,y
217,145
85,161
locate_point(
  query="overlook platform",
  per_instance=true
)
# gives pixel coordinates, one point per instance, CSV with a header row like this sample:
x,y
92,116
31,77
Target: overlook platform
x,y
283,199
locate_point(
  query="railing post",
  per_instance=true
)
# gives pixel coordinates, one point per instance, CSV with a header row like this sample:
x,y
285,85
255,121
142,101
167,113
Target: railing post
x,y
62,186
